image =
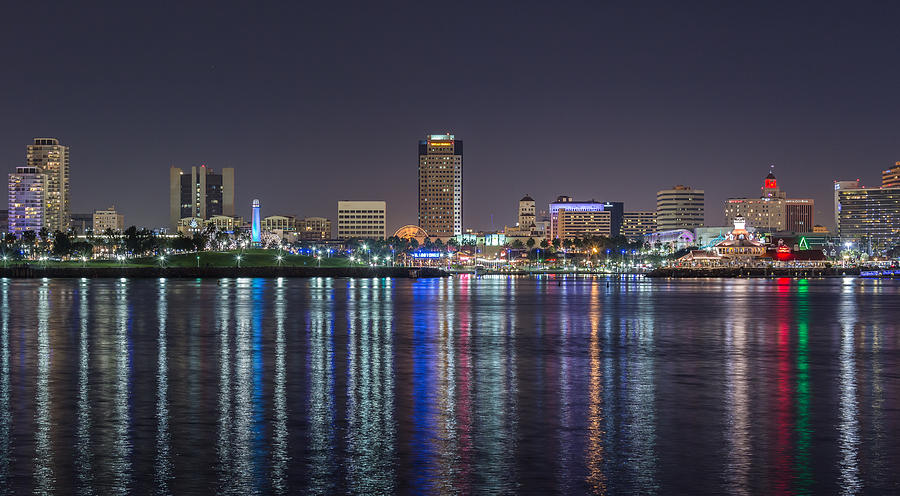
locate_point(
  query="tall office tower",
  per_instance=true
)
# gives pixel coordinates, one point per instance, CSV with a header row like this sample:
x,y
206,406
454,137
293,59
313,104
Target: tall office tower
x,y
201,194
525,220
681,207
50,158
27,200
361,219
838,187
891,177
440,185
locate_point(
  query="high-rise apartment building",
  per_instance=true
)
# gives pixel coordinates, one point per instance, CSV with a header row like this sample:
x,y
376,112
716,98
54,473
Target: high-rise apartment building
x,y
636,224
108,219
52,159
891,178
798,215
361,219
201,194
681,207
440,185
27,200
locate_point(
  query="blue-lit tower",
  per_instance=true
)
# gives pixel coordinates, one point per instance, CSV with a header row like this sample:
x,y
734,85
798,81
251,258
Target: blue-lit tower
x,y
254,232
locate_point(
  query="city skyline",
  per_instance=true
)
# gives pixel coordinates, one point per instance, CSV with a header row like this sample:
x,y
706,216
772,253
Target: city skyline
x,y
621,103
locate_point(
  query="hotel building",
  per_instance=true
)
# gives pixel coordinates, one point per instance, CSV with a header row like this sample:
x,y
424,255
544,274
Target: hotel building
x,y
891,177
870,217
27,200
838,187
773,211
200,194
576,219
361,219
681,207
52,159
440,185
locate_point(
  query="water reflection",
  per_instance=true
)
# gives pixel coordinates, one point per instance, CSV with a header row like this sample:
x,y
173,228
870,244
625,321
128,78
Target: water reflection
x,y
43,456
462,385
83,449
163,466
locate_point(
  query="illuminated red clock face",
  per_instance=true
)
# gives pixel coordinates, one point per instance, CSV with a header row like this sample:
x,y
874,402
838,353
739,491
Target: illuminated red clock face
x,y
770,184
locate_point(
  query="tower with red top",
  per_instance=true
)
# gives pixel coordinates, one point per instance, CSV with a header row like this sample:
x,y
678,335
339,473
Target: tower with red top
x,y
770,185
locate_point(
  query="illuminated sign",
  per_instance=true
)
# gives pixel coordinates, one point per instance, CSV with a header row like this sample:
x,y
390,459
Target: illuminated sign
x,y
427,254
441,137
770,184
431,143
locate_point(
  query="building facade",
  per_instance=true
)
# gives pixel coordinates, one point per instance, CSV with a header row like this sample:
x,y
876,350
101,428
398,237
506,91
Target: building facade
x,y
283,223
681,207
200,194
870,217
636,224
891,178
440,185
525,220
27,200
52,159
571,219
313,228
361,219
838,187
773,211
108,219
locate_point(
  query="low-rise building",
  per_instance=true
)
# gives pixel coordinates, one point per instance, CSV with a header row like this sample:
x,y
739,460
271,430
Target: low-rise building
x,y
313,228
637,224
108,219
283,223
361,219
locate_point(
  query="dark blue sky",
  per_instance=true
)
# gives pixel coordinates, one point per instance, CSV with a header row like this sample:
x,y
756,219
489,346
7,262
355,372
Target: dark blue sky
x,y
316,102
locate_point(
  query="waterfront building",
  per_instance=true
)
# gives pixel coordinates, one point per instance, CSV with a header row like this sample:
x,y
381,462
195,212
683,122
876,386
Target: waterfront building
x,y
440,185
571,219
681,207
313,228
283,223
27,200
838,187
202,193
361,219
52,159
891,178
108,219
740,244
637,224
870,217
410,232
772,211
226,223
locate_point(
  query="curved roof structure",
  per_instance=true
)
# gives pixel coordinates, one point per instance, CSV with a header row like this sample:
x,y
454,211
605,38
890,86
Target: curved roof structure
x,y
411,231
527,198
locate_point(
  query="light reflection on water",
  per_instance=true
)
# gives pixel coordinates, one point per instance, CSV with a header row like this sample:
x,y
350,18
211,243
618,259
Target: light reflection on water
x,y
463,385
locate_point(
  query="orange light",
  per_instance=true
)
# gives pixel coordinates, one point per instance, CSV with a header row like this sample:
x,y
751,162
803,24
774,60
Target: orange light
x,y
433,143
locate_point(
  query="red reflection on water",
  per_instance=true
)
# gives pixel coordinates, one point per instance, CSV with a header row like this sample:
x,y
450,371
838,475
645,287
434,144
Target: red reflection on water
x,y
783,401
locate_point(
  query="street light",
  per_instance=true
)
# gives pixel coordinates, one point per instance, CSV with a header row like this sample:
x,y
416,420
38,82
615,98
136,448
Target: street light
x,y
238,258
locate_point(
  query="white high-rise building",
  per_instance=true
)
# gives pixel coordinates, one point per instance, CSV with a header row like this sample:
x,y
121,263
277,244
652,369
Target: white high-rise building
x,y
361,219
838,187
50,158
440,185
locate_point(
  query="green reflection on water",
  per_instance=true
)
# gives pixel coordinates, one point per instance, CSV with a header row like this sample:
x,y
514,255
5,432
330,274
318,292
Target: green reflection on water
x,y
802,425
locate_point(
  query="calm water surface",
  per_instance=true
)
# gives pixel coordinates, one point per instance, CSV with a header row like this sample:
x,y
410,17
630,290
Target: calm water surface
x,y
460,385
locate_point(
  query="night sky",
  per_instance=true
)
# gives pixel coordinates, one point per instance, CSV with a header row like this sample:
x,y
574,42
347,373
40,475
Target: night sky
x,y
313,102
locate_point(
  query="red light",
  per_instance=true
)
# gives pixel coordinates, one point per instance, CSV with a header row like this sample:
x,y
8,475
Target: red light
x,y
771,183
